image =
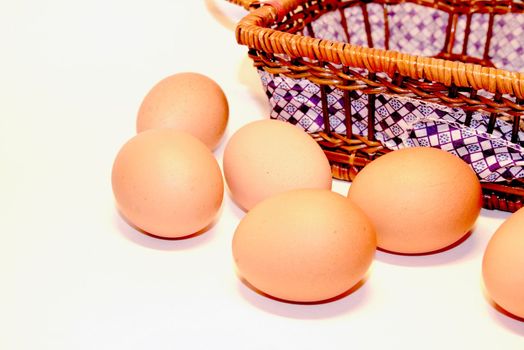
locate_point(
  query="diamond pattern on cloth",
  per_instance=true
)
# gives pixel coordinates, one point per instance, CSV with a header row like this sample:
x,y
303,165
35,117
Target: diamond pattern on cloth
x,y
477,36
329,26
492,159
355,21
507,43
376,21
417,30
424,33
294,100
460,31
401,122
298,102
405,122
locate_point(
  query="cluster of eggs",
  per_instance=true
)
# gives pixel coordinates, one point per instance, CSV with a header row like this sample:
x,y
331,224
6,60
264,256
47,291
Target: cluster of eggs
x,y
298,241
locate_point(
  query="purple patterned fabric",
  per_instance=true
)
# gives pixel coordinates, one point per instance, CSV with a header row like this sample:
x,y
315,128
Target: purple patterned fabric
x,y
405,122
329,26
424,32
507,47
402,122
477,36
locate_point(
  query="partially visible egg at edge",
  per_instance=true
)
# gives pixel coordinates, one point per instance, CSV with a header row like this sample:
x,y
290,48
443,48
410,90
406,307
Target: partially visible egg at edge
x,y
503,265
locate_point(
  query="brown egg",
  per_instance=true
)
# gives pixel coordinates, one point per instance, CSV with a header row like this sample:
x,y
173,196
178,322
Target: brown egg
x,y
503,265
267,157
167,183
304,245
188,102
420,199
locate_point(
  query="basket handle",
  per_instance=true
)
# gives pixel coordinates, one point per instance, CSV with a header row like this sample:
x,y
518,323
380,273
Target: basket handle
x,y
244,3
250,5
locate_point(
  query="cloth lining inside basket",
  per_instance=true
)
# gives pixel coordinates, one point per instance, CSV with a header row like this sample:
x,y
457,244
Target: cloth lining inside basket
x,y
402,122
420,30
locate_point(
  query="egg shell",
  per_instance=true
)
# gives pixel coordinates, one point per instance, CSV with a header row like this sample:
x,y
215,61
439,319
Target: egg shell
x,y
189,102
420,199
267,157
167,183
305,245
503,265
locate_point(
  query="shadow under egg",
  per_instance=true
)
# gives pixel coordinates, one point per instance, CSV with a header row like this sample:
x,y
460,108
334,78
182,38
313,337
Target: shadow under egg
x,y
326,308
502,316
137,235
507,313
458,250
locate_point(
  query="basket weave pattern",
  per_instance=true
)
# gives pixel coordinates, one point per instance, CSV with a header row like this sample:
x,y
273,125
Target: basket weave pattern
x,y
362,82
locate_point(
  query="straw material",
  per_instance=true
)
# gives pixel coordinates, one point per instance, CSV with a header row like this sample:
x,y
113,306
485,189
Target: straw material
x,y
274,33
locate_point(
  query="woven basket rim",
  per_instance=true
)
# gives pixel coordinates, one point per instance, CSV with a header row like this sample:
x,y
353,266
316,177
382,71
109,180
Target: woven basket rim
x,y
254,32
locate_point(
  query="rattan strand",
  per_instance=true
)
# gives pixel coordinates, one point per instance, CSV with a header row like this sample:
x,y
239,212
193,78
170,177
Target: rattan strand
x,y
276,46
253,32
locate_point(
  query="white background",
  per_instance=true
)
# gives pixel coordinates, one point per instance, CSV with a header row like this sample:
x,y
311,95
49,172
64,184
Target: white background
x,y
74,276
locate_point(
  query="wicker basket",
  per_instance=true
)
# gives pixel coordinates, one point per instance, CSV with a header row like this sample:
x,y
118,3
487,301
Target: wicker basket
x,y
367,77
